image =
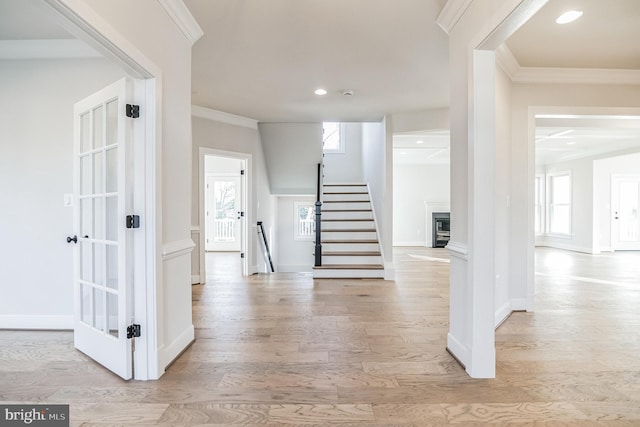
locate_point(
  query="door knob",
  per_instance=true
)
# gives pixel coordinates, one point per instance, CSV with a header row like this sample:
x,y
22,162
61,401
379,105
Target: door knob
x,y
73,239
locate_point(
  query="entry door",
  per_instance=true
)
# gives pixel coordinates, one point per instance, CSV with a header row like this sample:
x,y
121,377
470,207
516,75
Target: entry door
x,y
625,222
102,190
223,213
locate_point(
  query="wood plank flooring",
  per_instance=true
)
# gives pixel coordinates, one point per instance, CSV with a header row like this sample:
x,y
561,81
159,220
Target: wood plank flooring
x,y
284,349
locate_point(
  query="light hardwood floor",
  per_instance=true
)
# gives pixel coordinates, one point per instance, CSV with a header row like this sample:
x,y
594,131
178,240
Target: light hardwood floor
x,y
283,349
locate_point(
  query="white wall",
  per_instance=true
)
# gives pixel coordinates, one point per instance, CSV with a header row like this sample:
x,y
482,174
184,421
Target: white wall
x,y
227,137
413,186
36,170
346,167
292,152
603,169
377,168
292,255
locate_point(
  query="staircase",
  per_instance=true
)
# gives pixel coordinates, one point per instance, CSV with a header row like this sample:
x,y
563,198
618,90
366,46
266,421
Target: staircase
x,y
350,247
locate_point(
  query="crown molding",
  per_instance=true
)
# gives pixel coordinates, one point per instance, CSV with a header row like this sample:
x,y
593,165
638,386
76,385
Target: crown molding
x,y
506,61
46,49
184,20
451,14
222,117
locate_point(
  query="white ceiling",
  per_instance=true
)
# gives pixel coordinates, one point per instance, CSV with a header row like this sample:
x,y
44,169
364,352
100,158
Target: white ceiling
x,y
263,59
423,148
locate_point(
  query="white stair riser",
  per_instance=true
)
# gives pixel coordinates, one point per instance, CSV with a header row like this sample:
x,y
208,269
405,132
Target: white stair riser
x,y
340,197
347,206
344,189
351,260
349,235
348,225
350,247
347,215
344,273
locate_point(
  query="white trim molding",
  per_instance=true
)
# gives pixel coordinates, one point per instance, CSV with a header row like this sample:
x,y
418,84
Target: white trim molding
x,y
451,14
184,20
458,250
222,117
518,74
46,49
177,248
170,352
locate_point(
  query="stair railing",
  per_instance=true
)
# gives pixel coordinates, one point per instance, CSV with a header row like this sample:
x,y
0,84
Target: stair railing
x,y
318,205
266,245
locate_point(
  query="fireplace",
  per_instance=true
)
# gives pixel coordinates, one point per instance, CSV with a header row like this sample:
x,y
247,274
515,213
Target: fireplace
x,y
440,229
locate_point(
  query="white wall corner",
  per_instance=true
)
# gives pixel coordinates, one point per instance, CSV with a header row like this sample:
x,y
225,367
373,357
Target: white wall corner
x,y
170,352
184,20
195,279
458,350
451,14
222,117
506,61
389,271
502,313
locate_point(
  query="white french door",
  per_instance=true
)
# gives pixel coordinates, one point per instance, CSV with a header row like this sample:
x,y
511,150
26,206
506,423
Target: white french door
x,y
625,221
223,207
103,195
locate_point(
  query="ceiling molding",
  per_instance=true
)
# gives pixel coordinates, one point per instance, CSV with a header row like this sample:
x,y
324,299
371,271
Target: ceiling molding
x,y
506,61
46,49
222,117
184,20
451,14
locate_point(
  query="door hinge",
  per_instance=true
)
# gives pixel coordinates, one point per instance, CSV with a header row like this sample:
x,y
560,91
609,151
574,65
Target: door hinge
x,y
133,221
133,111
242,255
241,171
133,331
240,214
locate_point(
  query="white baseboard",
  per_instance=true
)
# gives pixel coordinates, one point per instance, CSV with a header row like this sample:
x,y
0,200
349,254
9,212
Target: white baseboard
x,y
389,271
17,321
294,268
169,352
253,269
566,247
195,279
518,304
502,313
459,350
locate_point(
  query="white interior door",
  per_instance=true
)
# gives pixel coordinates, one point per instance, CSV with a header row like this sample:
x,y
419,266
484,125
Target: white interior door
x,y
223,201
625,221
102,190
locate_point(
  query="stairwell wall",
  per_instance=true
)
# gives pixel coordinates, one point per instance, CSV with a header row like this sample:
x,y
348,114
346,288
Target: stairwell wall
x,y
346,167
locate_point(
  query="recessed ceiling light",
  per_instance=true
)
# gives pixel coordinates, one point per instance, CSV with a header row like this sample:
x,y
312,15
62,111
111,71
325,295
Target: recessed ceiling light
x,y
569,16
420,142
320,92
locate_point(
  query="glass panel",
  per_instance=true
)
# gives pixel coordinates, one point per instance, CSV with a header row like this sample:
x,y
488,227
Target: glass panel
x,y
561,189
560,220
331,136
85,140
112,266
85,175
112,122
628,212
112,218
98,218
112,170
98,172
98,263
86,261
86,218
85,304
226,214
112,314
98,128
98,309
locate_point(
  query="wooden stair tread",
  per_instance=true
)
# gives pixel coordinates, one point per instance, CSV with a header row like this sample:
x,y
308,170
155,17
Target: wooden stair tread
x,y
349,267
344,185
345,201
346,210
351,253
348,220
344,192
350,230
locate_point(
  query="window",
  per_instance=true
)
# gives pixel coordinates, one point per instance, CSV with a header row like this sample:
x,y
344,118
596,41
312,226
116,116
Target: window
x,y
559,197
305,220
539,204
332,141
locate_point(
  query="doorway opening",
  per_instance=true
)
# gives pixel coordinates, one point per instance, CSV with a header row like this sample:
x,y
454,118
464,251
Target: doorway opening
x,y
223,215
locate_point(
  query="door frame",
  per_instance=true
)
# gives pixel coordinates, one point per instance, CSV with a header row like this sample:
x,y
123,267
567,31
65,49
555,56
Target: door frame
x,y
246,186
240,201
82,22
613,225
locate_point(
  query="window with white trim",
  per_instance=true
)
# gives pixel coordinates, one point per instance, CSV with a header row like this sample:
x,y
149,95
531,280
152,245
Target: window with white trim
x,y
332,138
559,203
305,220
